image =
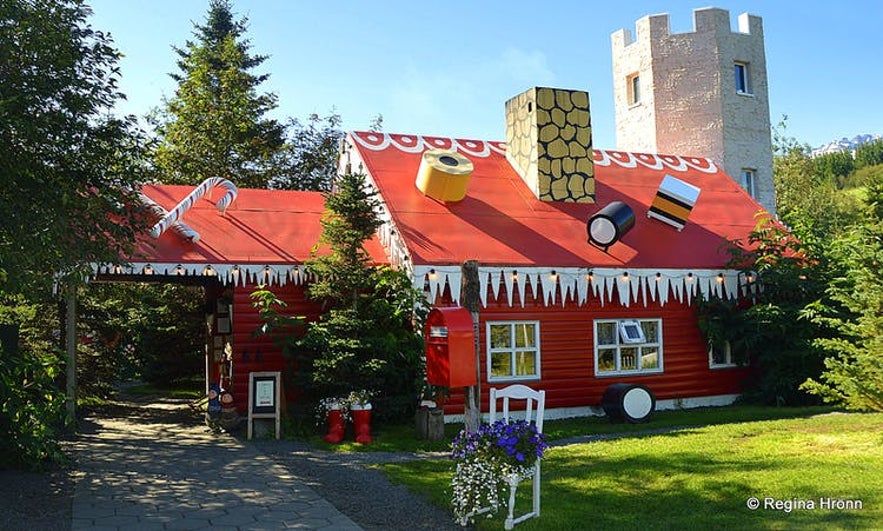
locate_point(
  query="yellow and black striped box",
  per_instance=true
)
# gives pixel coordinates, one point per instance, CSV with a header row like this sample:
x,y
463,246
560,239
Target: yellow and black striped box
x,y
673,202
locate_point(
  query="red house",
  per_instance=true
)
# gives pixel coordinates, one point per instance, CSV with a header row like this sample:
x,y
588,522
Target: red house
x,y
557,311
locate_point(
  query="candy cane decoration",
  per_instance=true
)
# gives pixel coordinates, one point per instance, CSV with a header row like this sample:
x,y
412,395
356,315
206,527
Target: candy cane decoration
x,y
184,230
191,200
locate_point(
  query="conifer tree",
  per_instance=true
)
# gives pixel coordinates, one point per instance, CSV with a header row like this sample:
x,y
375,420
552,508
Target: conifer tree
x,y
349,221
216,123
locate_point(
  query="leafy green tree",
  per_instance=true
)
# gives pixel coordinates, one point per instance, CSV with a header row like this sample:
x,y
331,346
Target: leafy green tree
x,y
869,154
853,373
310,153
835,166
804,193
773,332
153,332
68,166
169,334
31,406
216,124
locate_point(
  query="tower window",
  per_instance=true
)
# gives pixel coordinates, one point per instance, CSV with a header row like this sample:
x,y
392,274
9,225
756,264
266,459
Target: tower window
x,y
634,89
747,181
742,85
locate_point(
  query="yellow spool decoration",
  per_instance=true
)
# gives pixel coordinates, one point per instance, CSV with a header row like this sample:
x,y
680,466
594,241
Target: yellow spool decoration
x,y
444,175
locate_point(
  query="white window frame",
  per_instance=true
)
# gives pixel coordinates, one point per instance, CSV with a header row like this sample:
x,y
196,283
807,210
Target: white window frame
x,y
742,78
748,181
512,350
649,344
633,88
728,355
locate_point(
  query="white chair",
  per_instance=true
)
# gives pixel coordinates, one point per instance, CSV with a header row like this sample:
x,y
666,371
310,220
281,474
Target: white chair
x,y
533,412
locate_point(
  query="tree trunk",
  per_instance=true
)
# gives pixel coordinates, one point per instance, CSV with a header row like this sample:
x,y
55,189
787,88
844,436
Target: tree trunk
x,y
469,298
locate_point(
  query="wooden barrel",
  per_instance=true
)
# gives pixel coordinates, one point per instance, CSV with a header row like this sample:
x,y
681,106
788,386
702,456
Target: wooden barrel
x,y
626,402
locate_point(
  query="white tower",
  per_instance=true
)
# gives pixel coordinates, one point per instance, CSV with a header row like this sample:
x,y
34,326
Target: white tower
x,y
702,93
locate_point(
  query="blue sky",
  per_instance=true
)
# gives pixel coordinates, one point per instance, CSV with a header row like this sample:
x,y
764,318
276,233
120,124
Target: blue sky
x,y
446,68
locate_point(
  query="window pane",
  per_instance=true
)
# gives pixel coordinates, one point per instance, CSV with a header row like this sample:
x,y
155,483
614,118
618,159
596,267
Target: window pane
x,y
748,181
501,364
500,337
628,358
649,358
720,353
606,334
651,331
525,335
525,363
606,359
741,72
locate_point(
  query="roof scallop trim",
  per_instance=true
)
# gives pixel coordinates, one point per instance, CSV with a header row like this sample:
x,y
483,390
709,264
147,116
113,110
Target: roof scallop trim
x,y
376,141
419,144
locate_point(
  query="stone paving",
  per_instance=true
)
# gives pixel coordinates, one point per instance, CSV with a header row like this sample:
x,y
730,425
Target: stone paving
x,y
146,469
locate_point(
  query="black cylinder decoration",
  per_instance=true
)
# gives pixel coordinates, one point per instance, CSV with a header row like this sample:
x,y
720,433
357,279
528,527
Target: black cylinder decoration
x,y
610,224
632,403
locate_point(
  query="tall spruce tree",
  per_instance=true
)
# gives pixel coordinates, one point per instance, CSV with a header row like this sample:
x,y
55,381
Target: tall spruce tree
x,y
349,221
216,123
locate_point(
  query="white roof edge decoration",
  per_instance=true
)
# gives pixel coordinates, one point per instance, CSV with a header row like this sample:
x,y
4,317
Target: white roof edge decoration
x,y
576,285
227,274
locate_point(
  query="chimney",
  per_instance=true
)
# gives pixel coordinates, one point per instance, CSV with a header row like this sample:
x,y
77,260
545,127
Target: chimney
x,y
549,143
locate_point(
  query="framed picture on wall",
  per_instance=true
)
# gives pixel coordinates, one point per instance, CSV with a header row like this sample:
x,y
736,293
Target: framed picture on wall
x,y
223,325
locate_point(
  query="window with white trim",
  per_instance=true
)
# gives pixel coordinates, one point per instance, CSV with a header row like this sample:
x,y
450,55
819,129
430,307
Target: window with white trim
x,y
742,81
633,88
513,350
720,355
628,346
747,181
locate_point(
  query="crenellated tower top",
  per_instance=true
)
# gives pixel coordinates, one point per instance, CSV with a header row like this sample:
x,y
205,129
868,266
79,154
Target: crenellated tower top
x,y
700,93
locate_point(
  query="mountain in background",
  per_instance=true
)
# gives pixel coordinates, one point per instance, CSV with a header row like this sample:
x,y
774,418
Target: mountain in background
x,y
844,144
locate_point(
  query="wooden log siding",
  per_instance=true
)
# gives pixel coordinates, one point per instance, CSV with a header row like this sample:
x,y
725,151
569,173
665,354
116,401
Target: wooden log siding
x,y
567,364
246,320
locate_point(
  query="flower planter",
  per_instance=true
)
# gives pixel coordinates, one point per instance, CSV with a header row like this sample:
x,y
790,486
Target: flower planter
x,y
336,424
361,414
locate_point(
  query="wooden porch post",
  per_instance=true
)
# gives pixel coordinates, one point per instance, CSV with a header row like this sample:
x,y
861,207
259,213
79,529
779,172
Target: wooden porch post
x,y
70,322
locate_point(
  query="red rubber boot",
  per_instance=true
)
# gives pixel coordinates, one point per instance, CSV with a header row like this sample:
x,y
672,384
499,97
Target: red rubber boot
x,y
335,427
362,425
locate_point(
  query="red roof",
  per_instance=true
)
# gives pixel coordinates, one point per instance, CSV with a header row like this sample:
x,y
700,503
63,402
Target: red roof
x,y
261,227
501,222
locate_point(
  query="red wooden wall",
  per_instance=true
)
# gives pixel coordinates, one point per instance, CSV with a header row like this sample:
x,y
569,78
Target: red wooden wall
x,y
566,346
258,353
567,364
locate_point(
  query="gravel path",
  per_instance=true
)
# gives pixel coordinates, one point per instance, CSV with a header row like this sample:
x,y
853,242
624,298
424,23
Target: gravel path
x,y
364,494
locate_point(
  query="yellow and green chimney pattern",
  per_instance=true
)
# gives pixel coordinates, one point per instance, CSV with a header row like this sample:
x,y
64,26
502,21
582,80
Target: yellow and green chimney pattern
x,y
549,143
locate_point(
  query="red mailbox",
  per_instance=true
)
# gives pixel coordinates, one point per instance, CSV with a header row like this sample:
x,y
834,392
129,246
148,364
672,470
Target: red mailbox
x,y
450,347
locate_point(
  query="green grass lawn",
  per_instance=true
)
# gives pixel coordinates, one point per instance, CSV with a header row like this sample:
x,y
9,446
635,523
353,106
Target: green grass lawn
x,y
401,437
701,477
